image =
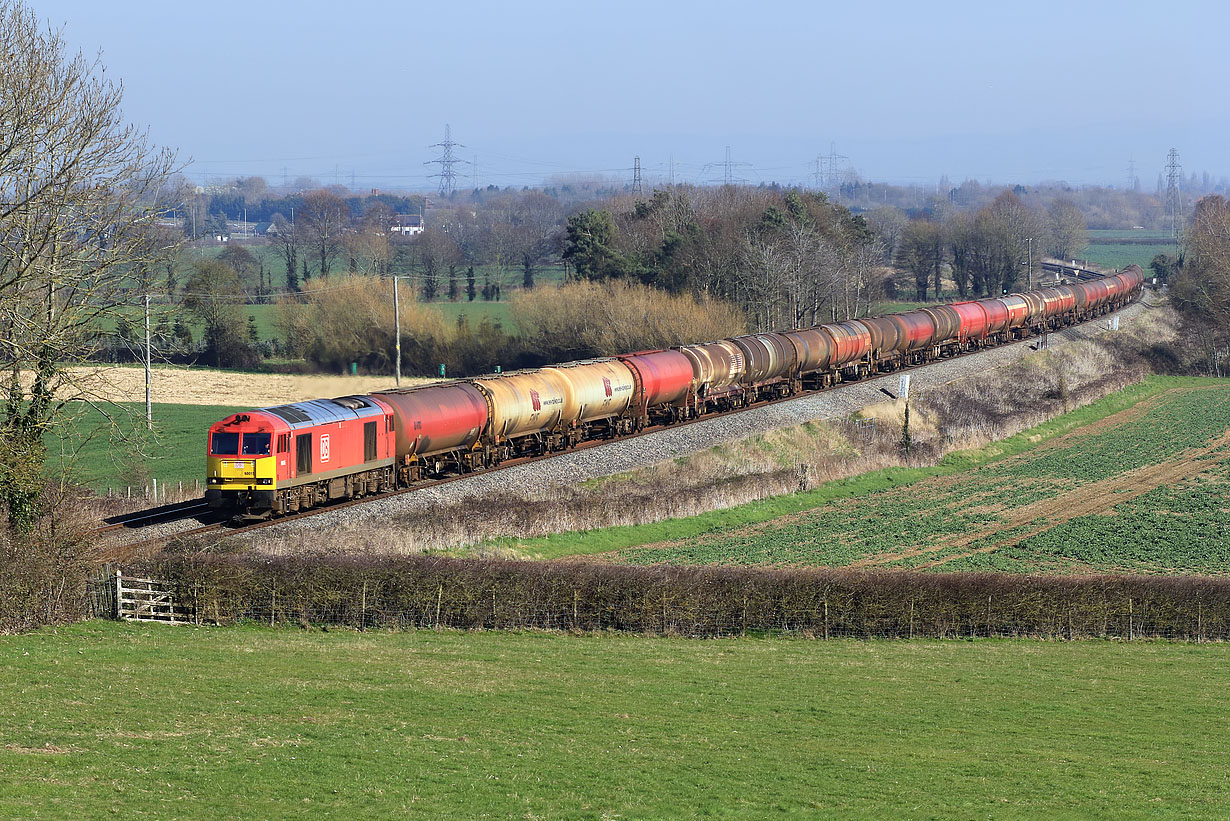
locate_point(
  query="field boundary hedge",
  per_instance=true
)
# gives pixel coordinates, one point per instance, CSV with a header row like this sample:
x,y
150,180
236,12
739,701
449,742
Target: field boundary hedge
x,y
428,592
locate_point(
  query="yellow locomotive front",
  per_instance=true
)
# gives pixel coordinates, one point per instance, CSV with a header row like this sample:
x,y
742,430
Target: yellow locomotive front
x,y
240,470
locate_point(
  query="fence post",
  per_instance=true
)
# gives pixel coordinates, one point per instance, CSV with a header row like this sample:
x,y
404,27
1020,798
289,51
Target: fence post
x,y
155,491
826,617
911,618
363,608
576,595
1130,615
119,593
439,599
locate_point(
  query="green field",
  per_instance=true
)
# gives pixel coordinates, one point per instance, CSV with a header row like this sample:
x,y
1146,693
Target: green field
x,y
104,719
84,447
1014,505
1121,256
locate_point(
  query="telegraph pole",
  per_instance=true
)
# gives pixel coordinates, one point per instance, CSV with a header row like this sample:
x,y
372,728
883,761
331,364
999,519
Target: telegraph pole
x,y
149,396
1029,244
397,328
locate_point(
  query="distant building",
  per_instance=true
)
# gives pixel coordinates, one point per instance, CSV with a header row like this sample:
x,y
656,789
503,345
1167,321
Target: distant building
x,y
407,224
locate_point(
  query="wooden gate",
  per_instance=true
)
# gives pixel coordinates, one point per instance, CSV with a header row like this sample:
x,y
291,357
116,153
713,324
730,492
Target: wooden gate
x,y
139,599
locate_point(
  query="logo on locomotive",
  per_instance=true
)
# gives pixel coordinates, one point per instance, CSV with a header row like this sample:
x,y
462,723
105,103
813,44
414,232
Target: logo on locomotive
x,y
324,447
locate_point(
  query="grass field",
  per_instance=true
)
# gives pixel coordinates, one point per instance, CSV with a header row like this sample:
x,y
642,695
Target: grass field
x,y
1120,256
175,452
105,719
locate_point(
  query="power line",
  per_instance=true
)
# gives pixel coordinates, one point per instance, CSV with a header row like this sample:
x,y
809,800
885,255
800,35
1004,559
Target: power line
x,y
728,165
1174,197
446,161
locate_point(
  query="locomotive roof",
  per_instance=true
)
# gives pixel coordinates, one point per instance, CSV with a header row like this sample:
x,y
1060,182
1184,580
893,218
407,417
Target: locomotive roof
x,y
324,411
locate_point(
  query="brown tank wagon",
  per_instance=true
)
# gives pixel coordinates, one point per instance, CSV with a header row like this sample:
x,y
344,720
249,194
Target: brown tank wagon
x,y
716,367
437,426
813,349
525,411
770,361
597,390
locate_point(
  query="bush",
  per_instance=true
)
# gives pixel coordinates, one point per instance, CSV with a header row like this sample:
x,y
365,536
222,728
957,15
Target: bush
x,y
584,319
45,567
345,319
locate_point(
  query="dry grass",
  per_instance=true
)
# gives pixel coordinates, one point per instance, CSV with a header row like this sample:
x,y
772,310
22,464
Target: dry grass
x,y
183,386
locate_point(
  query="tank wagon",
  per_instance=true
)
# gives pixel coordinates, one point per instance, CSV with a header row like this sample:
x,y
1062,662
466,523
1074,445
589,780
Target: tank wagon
x,y
289,457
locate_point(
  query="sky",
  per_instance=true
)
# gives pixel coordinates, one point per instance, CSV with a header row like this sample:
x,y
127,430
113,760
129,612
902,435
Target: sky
x,y
539,92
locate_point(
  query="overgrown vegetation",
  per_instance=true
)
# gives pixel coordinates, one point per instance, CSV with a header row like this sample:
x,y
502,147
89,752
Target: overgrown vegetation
x,y
349,319
1201,289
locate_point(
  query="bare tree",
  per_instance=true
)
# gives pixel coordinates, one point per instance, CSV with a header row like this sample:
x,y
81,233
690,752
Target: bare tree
x,y
323,221
917,253
79,208
1068,235
287,242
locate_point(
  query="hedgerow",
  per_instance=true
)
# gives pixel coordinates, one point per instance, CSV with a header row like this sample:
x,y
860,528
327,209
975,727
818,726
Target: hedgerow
x,y
427,591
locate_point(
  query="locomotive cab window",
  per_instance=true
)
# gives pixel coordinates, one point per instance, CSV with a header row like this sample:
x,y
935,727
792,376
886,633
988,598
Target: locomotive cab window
x,y
224,444
283,443
256,444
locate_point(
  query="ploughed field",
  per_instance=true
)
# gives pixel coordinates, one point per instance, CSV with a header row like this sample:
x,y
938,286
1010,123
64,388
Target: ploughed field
x,y
1144,489
106,719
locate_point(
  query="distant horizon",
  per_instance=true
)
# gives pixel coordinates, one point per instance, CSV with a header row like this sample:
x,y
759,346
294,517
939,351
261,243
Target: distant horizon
x,y
906,94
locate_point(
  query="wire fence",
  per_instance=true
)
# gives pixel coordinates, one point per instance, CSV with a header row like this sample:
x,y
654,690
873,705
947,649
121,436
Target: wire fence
x,y
429,592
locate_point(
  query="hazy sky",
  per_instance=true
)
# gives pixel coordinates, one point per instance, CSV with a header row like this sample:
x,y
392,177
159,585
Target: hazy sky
x,y
908,91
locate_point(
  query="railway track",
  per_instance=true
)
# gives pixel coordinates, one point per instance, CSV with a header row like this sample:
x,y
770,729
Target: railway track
x,y
154,516
235,526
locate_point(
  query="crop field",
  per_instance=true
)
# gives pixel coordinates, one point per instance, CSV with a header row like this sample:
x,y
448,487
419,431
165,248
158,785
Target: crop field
x,y
1138,486
116,719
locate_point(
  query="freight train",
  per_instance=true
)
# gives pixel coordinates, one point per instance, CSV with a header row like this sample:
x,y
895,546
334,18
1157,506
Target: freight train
x,y
283,459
